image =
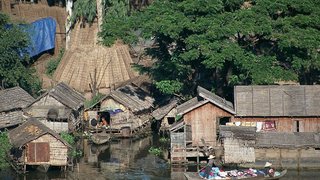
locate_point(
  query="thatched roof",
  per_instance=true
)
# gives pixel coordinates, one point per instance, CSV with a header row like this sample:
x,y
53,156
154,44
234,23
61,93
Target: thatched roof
x,y
162,111
287,140
14,98
29,131
238,132
85,58
286,100
205,96
132,97
65,95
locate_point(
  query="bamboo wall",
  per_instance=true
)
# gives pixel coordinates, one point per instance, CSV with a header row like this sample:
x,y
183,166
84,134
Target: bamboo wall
x,y
58,127
287,124
165,123
41,107
40,110
203,121
237,151
58,151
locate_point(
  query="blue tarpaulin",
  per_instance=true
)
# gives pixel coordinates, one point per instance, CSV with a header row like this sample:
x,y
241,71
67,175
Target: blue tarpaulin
x,y
42,34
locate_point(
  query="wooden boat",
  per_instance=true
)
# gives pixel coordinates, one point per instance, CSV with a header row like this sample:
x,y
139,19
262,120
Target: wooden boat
x,y
196,176
100,138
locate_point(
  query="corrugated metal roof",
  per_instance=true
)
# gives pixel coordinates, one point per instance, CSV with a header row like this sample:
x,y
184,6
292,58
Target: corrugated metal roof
x,y
14,98
286,100
29,131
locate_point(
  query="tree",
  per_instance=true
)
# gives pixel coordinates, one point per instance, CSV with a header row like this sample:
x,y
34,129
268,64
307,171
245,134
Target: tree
x,y
14,66
222,43
84,11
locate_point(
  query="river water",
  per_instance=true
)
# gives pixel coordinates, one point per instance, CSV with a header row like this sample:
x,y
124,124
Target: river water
x,y
126,159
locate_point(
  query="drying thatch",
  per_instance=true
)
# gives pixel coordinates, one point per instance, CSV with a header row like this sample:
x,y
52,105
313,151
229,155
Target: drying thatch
x,y
287,100
86,62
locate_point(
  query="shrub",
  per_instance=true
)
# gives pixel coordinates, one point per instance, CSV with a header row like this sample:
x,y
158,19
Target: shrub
x,y
155,151
5,146
53,63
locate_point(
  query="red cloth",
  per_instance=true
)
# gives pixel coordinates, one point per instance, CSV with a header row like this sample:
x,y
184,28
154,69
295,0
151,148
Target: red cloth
x,y
269,126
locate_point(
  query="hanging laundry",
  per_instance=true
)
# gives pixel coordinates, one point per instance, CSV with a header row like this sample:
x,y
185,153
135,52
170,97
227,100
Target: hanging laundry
x,y
269,126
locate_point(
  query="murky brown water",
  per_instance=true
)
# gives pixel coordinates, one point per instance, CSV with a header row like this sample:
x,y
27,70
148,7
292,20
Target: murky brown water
x,y
126,159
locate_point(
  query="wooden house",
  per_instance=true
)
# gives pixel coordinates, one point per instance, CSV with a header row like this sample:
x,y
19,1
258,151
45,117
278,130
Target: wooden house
x,y
125,109
165,115
37,145
287,108
61,108
12,101
204,114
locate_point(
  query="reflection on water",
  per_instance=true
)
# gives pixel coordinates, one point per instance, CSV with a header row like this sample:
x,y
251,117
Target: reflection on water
x,y
126,159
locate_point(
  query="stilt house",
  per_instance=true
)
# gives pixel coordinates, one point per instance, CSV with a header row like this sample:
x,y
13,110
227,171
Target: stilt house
x,y
204,114
35,144
287,108
61,108
166,115
12,101
125,109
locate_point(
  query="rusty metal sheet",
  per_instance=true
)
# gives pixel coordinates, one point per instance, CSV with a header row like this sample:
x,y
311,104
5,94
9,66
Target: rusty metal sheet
x,y
38,152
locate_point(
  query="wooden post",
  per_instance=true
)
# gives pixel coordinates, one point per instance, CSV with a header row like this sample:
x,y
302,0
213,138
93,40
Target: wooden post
x,y
198,157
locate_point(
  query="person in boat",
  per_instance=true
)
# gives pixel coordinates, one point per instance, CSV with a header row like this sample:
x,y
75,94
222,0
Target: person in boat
x,y
268,170
209,166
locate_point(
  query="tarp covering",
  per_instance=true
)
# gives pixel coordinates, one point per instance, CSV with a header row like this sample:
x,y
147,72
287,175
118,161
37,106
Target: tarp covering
x,y
42,34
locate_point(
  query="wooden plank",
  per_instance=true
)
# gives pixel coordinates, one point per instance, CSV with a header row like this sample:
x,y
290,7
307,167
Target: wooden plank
x,y
31,153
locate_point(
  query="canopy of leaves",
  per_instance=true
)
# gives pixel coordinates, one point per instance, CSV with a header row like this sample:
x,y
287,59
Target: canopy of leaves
x,y
14,60
84,11
222,43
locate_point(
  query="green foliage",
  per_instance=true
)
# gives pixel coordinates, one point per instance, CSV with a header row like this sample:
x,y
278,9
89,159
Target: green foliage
x,y
5,146
155,151
68,137
73,151
53,63
84,11
14,61
164,140
169,86
94,100
222,43
116,14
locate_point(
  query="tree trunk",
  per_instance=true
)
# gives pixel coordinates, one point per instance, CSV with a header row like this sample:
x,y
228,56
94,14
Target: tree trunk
x,y
99,13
